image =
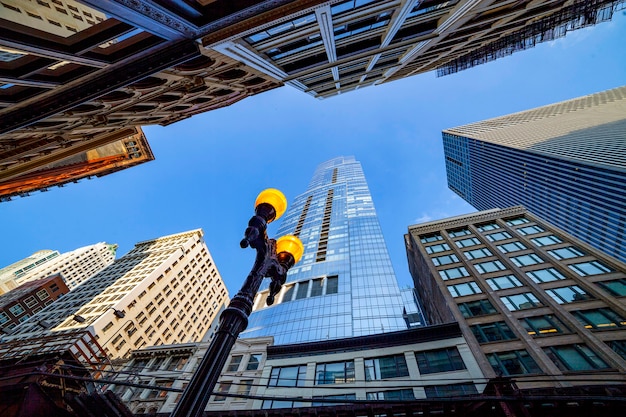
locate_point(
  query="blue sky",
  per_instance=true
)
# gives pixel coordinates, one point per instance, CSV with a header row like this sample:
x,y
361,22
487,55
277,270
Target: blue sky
x,y
209,169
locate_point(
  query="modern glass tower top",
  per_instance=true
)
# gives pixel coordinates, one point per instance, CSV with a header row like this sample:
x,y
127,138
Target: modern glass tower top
x,y
345,285
565,162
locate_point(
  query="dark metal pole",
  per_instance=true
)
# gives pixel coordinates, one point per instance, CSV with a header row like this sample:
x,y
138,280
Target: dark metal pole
x,y
234,319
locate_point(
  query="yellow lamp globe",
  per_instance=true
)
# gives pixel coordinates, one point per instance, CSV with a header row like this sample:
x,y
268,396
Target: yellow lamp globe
x,y
274,198
292,245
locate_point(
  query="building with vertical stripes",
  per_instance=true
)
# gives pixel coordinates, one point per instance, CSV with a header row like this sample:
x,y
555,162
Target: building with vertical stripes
x,y
565,162
344,285
533,302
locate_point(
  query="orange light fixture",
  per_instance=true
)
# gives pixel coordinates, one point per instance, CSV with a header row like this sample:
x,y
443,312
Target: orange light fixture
x,y
274,198
292,245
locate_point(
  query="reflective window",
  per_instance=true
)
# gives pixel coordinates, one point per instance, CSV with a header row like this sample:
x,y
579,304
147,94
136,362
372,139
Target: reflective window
x,y
546,240
589,268
318,403
600,319
440,360
520,301
463,243
254,362
349,6
393,395
516,362
280,29
576,357
502,283
442,247
453,273
177,363
288,376
569,294
477,308
565,253
511,247
431,238
459,233
543,325
42,294
450,390
616,287
618,346
530,230
223,387
487,227
491,266
244,387
525,260
444,260
516,221
468,288
545,275
334,373
303,288
233,366
477,253
3,317
492,332
494,237
386,367
332,284
16,310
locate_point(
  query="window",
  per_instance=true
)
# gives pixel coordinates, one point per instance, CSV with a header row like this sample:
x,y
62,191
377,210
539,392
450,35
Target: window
x,y
487,227
244,387
16,310
477,308
544,325
393,395
576,357
530,230
616,287
317,287
288,376
472,241
177,363
511,247
459,232
42,294
468,288
502,283
30,302
618,346
156,364
453,273
589,268
254,362
223,388
442,247
440,360
477,253
233,366
520,301
494,237
516,362
492,332
3,317
516,221
451,390
335,399
303,288
444,260
525,260
545,275
431,238
546,240
334,373
332,285
386,367
491,266
600,319
565,253
569,294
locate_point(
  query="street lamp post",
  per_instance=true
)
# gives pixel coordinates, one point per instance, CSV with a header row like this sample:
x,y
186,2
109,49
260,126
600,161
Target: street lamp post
x,y
273,260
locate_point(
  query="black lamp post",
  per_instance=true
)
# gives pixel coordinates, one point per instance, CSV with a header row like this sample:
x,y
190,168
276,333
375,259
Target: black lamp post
x,y
273,260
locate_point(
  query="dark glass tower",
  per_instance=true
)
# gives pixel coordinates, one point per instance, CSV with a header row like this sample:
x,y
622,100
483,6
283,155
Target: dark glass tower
x,y
344,285
565,162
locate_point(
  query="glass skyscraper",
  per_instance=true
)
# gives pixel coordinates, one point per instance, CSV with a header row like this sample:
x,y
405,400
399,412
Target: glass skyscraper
x,y
565,162
345,285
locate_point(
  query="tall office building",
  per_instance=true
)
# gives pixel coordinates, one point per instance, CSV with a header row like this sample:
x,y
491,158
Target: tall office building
x,y
344,285
532,301
165,290
565,162
75,266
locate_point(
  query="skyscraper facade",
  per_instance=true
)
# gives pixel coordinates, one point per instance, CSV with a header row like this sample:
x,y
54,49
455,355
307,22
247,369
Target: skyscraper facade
x,y
165,290
345,285
532,301
565,162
